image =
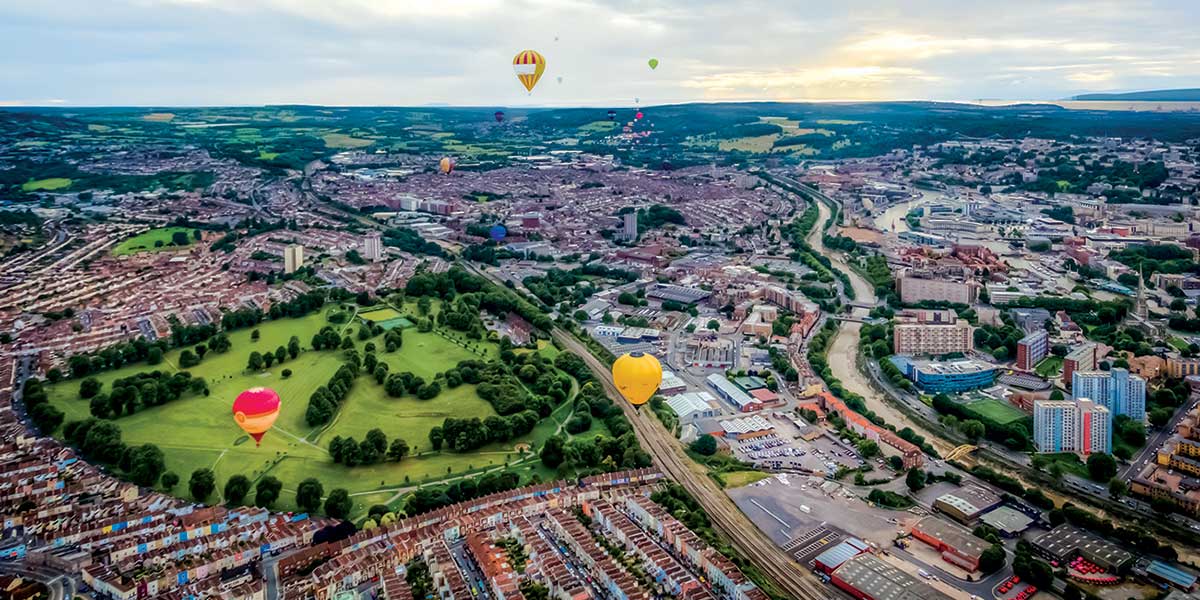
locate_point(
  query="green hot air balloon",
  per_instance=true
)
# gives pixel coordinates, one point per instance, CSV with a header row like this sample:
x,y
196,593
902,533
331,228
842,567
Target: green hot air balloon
x,y
653,63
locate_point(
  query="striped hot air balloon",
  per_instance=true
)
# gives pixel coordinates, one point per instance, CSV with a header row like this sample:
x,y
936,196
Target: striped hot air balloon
x,y
255,411
529,66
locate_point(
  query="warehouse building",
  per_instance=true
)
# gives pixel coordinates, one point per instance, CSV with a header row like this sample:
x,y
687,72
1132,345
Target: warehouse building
x,y
747,428
966,503
733,394
829,560
1010,522
677,293
1065,542
958,545
693,406
868,577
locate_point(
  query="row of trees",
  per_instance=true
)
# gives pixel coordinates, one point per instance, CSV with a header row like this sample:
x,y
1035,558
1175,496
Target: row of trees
x,y
138,391
323,402
44,415
263,360
372,449
464,435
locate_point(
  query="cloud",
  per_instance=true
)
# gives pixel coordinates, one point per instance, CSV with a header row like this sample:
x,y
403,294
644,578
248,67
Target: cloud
x,y
409,52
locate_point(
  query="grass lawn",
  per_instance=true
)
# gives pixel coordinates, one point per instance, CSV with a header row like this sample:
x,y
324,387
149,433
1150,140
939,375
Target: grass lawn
x,y
53,183
598,126
1069,463
144,242
738,479
1050,366
1000,412
343,141
198,431
382,314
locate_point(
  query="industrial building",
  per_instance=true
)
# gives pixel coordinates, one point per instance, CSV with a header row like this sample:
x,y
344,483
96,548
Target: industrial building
x,y
677,293
693,406
1066,542
957,544
966,503
1010,522
747,428
733,394
829,560
868,577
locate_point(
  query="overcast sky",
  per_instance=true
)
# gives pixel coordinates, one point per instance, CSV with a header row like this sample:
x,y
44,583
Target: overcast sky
x,y
409,52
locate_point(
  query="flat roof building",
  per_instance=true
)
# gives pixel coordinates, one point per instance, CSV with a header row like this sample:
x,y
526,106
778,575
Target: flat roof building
x,y
956,543
869,577
731,393
1066,542
1009,521
966,503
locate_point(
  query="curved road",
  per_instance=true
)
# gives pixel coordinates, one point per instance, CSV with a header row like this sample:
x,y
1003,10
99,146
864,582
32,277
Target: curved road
x,y
843,353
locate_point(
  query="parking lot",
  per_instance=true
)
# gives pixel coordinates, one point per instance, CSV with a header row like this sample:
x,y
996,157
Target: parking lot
x,y
786,450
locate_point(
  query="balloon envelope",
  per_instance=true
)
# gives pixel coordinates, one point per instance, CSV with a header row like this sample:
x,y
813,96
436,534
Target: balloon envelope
x,y
653,63
637,376
529,66
497,232
255,411
638,115
446,164
499,116
612,114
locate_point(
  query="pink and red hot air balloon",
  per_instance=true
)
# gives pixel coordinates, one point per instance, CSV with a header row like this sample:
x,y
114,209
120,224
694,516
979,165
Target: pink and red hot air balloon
x,y
255,411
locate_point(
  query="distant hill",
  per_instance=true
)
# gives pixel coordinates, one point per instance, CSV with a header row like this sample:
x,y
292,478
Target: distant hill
x,y
1187,95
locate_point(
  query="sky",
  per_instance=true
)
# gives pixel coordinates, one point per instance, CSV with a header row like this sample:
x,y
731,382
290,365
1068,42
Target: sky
x,y
460,52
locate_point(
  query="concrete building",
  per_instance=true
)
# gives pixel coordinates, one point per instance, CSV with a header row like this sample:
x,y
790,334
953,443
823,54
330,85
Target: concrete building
x,y
731,393
629,227
373,247
1065,542
868,577
693,406
1080,426
931,332
1179,367
1032,349
1117,390
915,288
956,543
1084,357
293,258
966,503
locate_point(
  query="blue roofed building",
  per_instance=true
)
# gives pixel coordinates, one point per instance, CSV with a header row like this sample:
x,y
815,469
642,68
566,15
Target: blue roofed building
x,y
829,560
946,376
1171,574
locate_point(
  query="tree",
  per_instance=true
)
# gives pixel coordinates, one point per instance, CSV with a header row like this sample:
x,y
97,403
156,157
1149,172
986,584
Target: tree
x,y
398,449
266,491
868,449
713,324
293,347
378,440
154,355
89,387
169,480
180,238
202,484
992,559
1101,466
896,463
286,373
705,445
1056,395
255,335
552,451
1117,488
309,494
188,359
972,428
146,464
236,489
255,362
338,504
915,479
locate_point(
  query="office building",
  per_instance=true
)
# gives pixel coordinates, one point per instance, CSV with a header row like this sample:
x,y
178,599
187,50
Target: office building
x,y
936,377
293,258
931,332
1117,390
1084,357
1179,367
1080,426
915,288
373,247
1032,349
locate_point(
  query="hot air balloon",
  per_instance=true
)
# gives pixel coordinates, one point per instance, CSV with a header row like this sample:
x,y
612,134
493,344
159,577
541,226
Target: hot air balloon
x,y
497,232
529,66
255,411
638,116
446,165
653,63
637,376
499,116
612,115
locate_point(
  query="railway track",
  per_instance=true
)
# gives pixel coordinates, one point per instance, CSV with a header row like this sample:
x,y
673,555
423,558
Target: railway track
x,y
746,537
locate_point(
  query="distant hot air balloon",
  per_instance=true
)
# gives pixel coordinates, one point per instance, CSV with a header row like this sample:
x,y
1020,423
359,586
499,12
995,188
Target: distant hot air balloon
x,y
446,165
653,63
497,232
529,66
638,116
612,115
255,411
637,376
499,116
559,79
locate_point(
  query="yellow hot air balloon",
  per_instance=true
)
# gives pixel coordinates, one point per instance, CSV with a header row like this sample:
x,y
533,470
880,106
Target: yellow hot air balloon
x,y
446,165
637,376
529,66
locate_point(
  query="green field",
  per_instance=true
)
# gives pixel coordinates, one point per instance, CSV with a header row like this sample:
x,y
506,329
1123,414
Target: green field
x,y
1002,413
1050,366
738,479
51,184
198,431
145,242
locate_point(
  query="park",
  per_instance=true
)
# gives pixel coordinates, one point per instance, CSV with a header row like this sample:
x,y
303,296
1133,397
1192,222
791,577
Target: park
x,y
197,430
